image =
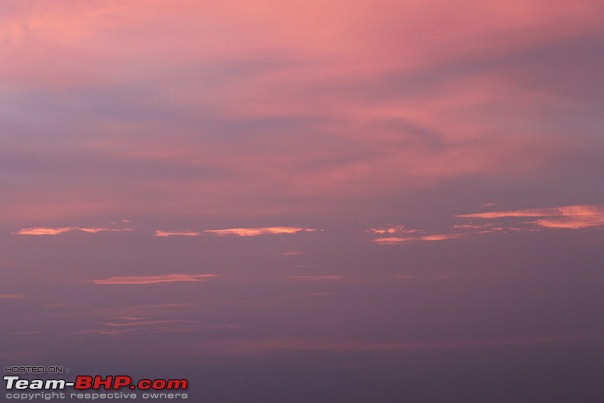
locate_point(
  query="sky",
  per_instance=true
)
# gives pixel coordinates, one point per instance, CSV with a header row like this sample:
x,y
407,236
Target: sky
x,y
307,201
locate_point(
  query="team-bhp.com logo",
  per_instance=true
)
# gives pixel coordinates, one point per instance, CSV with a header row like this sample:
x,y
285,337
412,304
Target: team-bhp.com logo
x,y
22,388
86,382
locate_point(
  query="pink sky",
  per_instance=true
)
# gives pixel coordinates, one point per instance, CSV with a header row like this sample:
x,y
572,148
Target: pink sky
x,y
271,107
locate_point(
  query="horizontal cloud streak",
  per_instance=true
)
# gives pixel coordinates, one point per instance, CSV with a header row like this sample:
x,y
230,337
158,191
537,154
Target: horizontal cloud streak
x,y
168,278
169,234
63,230
401,240
391,230
11,296
147,323
569,217
318,277
44,231
393,240
259,231
439,237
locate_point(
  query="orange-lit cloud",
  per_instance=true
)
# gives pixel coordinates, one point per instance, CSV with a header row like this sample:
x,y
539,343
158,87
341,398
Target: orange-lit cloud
x,y
439,237
168,278
259,231
169,234
62,230
95,230
393,240
401,240
391,230
44,231
569,217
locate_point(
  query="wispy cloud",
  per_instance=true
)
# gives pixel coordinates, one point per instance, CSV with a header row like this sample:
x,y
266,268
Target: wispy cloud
x,y
399,234
259,231
391,230
133,323
62,230
569,217
439,237
478,227
393,240
321,277
95,230
159,233
168,278
401,240
43,231
11,296
136,326
429,277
